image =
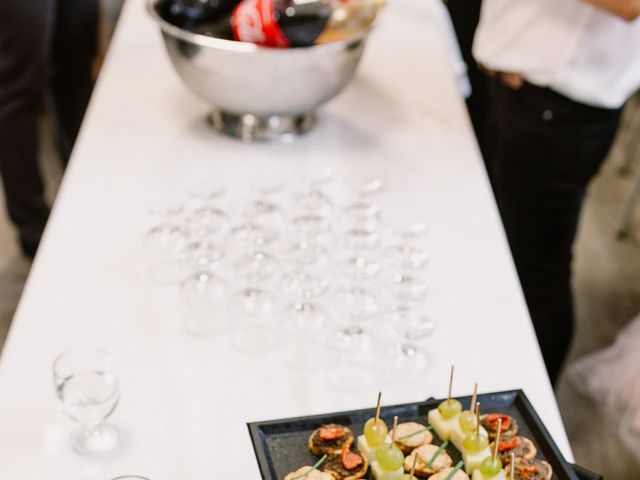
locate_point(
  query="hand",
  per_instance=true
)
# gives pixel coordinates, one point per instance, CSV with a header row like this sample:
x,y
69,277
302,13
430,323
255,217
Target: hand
x,y
514,81
628,10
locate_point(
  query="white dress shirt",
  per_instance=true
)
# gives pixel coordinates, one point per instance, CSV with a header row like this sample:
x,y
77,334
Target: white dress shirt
x,y
570,46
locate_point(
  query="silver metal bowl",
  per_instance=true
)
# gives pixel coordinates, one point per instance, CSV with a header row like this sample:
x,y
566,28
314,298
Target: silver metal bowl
x,y
257,93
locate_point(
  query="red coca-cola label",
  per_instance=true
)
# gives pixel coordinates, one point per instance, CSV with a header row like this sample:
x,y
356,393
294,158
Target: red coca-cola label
x,y
254,21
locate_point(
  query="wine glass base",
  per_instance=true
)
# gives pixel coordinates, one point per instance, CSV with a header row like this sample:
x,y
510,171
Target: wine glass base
x,y
405,357
101,440
268,128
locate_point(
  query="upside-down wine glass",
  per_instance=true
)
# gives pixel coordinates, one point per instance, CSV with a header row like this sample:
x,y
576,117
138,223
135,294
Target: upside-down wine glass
x,y
166,239
253,306
406,316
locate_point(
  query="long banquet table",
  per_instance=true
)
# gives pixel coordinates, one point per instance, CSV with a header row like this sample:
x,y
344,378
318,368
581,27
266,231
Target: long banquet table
x,y
185,401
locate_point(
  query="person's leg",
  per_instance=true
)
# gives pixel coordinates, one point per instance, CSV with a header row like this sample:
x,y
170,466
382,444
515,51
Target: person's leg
x,y
465,15
74,49
24,38
546,149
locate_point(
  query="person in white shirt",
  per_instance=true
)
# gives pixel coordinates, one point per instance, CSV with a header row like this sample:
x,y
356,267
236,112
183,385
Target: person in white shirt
x,y
559,72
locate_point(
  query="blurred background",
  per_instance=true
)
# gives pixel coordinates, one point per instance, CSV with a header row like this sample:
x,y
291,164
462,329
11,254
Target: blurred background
x,y
607,283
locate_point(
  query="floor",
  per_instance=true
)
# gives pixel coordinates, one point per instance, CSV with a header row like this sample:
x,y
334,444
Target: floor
x,y
607,285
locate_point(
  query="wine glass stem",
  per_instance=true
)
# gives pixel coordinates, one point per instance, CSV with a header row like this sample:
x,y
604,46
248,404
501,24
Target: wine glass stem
x,y
91,431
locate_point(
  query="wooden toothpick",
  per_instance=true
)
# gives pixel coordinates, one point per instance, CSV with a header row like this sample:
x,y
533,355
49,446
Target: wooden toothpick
x,y
495,449
413,467
478,418
378,409
474,397
395,430
450,383
513,466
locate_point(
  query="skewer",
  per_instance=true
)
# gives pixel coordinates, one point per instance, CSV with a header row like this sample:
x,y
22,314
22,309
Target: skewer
x,y
311,469
450,384
495,449
512,470
378,409
395,430
413,467
435,455
455,469
478,418
474,397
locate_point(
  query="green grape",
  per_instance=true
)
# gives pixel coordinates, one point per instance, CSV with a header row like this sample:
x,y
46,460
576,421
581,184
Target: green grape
x,y
490,467
474,443
406,476
375,432
389,457
450,408
468,421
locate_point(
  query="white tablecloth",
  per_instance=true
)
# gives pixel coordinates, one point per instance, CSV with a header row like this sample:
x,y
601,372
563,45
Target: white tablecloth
x,y
185,401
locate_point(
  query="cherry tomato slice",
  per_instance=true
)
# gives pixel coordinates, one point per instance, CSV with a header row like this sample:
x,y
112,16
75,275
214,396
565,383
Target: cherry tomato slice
x,y
506,420
330,433
527,470
349,459
509,444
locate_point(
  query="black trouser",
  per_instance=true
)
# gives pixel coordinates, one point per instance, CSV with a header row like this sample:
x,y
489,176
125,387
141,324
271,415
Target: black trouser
x,y
465,15
46,50
544,149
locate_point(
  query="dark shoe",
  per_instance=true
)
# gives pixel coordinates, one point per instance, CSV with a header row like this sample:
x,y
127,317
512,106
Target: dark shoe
x,y
29,246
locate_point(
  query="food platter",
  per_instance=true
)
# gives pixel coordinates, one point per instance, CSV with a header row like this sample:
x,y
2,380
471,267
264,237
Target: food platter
x,y
281,446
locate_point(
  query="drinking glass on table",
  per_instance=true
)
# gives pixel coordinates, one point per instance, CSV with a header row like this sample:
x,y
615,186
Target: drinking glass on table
x,y
165,240
130,477
252,307
87,387
406,315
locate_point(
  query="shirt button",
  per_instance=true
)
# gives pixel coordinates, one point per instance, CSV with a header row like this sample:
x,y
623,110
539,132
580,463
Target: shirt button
x,y
547,115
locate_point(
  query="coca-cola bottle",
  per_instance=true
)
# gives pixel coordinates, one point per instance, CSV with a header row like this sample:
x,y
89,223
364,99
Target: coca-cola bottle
x,y
188,14
349,17
273,23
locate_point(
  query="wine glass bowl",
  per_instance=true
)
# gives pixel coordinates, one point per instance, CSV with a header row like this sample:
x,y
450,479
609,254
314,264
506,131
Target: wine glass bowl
x,y
251,235
356,303
203,289
409,323
207,221
165,241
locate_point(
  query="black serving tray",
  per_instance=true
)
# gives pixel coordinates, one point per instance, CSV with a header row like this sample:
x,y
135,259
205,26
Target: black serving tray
x,y
281,445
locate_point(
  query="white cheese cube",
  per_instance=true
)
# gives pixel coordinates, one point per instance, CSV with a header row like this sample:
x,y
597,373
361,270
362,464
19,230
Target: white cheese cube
x,y
472,461
479,476
444,427
457,437
367,450
381,474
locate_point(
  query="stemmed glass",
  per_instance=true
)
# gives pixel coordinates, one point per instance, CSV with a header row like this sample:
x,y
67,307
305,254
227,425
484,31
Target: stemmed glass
x,y
304,319
403,253
166,239
253,306
131,477
304,316
311,199
207,191
406,315
87,387
263,209
204,290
